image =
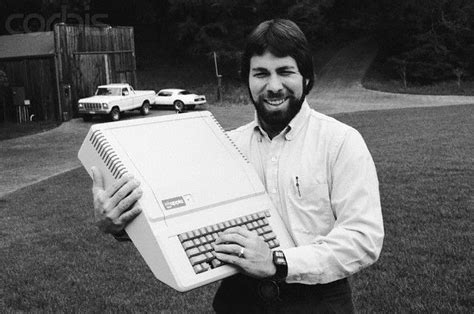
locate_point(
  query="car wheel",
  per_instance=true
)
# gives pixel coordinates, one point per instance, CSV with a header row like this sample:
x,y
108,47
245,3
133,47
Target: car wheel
x,y
87,117
145,108
179,106
115,114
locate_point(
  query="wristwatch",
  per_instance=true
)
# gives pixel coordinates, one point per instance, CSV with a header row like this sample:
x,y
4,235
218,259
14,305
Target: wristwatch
x,y
279,260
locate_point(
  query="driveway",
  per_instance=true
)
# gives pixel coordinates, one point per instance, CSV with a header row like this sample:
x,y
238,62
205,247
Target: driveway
x,y
338,89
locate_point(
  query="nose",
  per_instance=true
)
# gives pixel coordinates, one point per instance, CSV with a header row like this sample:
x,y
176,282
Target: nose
x,y
274,84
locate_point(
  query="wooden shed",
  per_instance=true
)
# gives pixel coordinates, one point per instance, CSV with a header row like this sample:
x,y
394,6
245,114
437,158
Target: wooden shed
x,y
48,72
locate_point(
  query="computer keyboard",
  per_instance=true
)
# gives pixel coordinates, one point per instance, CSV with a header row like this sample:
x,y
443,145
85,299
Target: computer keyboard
x,y
198,243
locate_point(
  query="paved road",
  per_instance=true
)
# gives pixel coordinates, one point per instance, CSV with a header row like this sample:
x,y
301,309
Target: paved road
x,y
339,87
31,159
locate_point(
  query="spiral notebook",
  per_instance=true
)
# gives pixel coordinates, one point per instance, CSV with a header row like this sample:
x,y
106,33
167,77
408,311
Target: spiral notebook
x,y
196,183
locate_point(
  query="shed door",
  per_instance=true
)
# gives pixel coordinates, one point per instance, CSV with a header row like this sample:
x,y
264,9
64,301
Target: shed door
x,y
92,70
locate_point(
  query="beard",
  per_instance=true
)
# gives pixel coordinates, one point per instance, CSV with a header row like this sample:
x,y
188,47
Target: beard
x,y
279,118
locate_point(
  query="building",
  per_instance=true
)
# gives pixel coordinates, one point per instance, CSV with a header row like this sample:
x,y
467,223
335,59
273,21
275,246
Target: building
x,y
47,72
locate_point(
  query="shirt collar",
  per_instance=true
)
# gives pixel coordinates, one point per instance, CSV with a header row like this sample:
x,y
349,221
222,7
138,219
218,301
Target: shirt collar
x,y
295,125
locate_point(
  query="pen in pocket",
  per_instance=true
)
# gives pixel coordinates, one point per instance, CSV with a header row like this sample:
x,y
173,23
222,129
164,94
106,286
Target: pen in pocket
x,y
298,186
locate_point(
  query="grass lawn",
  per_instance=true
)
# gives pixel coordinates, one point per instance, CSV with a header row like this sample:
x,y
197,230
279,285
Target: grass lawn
x,y
55,260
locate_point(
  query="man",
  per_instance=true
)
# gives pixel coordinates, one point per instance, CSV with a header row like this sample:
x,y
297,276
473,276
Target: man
x,y
319,175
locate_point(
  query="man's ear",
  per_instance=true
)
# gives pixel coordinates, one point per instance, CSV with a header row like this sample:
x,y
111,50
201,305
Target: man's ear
x,y
306,86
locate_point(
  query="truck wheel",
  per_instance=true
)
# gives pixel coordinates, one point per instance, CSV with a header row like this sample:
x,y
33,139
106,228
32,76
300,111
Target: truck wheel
x,y
114,114
145,109
87,117
179,106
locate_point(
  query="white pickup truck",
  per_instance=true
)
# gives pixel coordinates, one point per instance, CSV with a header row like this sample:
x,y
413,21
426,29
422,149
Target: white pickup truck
x,y
112,99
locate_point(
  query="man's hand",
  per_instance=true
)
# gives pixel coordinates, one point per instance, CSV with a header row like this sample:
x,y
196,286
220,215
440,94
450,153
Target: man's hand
x,y
256,260
113,207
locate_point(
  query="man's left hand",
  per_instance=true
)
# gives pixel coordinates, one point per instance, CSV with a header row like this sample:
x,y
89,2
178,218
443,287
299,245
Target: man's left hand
x,y
246,250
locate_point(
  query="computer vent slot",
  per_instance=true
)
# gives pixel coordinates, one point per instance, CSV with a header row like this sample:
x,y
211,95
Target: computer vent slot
x,y
107,154
228,137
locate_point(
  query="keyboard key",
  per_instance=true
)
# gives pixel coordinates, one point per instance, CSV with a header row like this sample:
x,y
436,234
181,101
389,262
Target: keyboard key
x,y
269,236
200,268
197,259
209,256
183,237
197,233
188,244
192,252
216,263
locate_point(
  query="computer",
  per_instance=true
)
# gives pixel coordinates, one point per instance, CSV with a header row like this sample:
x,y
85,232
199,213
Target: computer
x,y
196,183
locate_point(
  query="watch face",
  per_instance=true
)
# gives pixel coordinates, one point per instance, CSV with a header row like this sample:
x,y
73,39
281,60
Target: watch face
x,y
279,258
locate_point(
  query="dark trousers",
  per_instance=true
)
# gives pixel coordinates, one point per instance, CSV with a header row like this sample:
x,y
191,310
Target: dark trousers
x,y
242,294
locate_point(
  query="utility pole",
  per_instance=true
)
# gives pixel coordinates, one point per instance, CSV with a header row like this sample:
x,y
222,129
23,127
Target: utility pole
x,y
219,79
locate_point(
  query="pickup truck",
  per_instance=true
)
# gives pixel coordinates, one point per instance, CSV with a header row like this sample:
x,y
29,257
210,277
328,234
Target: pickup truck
x,y
113,99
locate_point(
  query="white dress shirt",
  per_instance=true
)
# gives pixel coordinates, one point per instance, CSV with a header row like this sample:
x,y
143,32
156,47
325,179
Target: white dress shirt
x,y
322,180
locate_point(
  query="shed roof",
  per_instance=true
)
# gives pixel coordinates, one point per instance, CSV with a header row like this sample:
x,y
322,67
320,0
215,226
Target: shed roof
x,y
26,45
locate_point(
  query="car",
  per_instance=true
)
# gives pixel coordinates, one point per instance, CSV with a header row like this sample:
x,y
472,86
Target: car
x,y
181,99
113,99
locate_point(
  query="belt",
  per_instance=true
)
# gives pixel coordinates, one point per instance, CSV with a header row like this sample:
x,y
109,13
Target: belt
x,y
271,290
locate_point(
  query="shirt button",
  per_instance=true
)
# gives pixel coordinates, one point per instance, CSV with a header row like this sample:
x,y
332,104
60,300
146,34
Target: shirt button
x,y
274,159
274,191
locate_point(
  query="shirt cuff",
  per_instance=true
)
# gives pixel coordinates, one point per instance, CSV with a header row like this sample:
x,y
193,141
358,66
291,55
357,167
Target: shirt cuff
x,y
121,236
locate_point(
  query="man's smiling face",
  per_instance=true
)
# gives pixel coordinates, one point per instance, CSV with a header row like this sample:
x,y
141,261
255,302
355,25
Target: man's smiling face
x,y
276,87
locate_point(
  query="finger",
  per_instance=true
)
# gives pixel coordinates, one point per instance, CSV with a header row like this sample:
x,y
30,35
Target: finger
x,y
232,238
231,259
97,179
125,191
115,187
126,203
244,232
129,215
228,248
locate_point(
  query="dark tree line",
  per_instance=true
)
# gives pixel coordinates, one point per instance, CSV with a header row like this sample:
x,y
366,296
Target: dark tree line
x,y
421,40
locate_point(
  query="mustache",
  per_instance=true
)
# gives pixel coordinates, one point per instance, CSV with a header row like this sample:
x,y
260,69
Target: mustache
x,y
273,95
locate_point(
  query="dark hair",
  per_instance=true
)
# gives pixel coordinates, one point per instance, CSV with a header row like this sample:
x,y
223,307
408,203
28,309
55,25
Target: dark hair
x,y
281,38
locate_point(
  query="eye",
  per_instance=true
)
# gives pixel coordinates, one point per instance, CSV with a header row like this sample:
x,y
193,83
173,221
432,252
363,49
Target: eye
x,y
260,74
286,72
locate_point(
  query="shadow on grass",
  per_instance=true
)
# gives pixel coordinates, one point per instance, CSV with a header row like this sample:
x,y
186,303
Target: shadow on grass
x,y
54,259
9,130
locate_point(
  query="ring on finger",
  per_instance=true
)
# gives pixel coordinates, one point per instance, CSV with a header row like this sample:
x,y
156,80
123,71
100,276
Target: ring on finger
x,y
241,253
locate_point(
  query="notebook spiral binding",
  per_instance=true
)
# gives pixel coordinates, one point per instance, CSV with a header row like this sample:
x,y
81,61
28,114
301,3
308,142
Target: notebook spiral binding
x,y
107,154
228,137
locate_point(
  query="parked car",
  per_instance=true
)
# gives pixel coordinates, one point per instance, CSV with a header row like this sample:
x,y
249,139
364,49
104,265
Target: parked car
x,y
181,99
113,99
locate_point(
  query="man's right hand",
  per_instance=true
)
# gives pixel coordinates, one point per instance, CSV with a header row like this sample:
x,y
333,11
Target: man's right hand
x,y
115,206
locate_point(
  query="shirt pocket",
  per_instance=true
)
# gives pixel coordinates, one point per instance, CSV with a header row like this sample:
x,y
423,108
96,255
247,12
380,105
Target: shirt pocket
x,y
309,209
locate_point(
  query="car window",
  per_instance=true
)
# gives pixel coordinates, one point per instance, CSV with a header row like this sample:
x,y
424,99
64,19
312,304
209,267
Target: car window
x,y
165,94
107,91
124,92
184,92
